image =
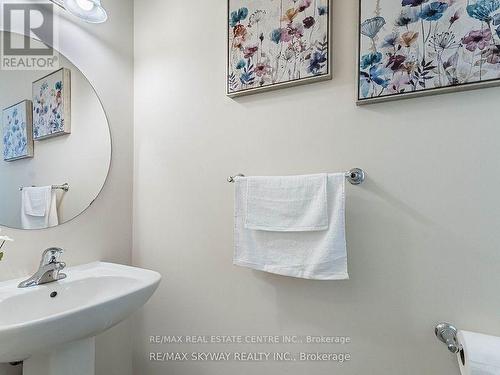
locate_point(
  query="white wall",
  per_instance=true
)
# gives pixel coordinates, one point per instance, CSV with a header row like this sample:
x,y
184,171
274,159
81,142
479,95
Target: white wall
x,y
104,53
422,231
80,159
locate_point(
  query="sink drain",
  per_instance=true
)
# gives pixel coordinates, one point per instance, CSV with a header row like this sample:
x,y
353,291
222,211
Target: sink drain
x,y
53,295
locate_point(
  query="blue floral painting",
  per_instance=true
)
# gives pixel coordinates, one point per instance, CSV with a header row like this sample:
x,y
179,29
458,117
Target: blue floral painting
x,y
17,137
275,43
426,46
50,105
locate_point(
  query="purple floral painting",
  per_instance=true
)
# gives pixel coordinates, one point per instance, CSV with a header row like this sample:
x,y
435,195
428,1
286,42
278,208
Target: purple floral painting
x,y
413,47
277,43
51,105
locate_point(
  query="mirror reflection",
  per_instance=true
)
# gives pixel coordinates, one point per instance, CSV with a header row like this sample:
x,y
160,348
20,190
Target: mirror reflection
x,y
56,145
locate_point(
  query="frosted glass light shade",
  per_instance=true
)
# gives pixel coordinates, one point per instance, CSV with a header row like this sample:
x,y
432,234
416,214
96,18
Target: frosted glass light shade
x,y
88,10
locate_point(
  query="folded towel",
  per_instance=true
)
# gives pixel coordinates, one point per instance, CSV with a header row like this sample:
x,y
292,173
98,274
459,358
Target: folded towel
x,y
35,200
319,255
287,204
39,208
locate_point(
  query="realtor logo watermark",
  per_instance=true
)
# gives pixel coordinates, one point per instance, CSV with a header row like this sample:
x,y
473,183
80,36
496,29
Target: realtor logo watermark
x,y
34,51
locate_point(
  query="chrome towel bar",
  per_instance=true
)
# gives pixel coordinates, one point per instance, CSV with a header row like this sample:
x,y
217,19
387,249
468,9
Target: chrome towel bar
x,y
64,187
355,176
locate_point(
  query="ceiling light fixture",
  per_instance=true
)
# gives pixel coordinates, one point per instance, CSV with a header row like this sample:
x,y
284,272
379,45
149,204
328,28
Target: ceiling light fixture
x,y
88,10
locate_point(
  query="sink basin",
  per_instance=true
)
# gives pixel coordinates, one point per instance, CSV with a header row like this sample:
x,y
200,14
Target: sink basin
x,y
93,298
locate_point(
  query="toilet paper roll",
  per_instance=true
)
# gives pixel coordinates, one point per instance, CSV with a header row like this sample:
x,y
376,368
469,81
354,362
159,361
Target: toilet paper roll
x,y
480,354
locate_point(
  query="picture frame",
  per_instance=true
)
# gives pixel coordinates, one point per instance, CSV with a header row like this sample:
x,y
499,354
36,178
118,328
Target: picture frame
x,y
267,75
17,131
52,105
441,57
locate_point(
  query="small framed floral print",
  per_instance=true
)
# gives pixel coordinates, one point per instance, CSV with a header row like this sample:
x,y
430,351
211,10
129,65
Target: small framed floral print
x,y
52,105
410,48
276,44
17,131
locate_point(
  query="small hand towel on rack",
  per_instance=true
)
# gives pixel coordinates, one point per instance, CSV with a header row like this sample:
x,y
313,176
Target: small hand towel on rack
x,y
35,200
296,239
39,208
287,204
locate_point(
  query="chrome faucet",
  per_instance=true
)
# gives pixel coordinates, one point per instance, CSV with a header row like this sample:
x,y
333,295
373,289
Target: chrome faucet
x,y
49,269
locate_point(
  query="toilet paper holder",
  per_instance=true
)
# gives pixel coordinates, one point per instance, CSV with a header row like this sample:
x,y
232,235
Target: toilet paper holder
x,y
447,333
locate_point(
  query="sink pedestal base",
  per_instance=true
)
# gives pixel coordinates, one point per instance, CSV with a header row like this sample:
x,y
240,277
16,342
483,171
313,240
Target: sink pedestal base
x,y
75,358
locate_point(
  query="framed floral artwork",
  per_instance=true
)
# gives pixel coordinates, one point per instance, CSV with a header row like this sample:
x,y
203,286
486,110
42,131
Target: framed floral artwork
x,y
17,131
273,44
52,105
409,48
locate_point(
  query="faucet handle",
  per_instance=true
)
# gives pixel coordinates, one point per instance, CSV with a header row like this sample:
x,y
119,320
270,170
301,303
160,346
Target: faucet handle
x,y
51,255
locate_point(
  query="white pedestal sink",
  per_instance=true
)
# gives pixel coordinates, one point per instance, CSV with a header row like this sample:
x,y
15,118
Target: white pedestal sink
x,y
52,327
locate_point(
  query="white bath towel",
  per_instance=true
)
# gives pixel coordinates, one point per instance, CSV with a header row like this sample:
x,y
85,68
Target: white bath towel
x,y
287,204
319,254
39,208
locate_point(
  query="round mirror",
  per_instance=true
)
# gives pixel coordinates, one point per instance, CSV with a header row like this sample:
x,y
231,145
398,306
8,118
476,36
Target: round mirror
x,y
56,143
